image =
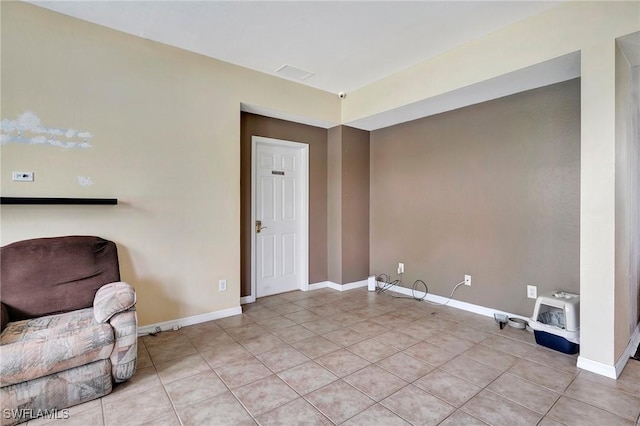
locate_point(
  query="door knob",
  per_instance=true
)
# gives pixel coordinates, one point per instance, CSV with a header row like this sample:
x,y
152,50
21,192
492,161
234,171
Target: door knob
x,y
259,226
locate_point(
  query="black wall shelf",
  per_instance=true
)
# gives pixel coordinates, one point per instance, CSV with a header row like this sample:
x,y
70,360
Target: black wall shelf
x,y
58,201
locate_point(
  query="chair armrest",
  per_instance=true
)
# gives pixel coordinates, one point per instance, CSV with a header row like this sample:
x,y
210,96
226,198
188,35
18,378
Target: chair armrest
x,y
125,348
4,317
111,299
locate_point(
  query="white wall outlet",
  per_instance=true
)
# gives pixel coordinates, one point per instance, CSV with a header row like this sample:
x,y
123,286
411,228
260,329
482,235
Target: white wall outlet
x,y
532,292
222,285
467,280
400,268
22,176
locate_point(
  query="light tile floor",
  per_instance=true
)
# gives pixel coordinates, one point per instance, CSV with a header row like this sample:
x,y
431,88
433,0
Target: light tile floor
x,y
358,358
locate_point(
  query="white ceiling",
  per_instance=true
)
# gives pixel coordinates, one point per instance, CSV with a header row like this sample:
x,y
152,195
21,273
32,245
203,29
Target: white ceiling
x,y
346,45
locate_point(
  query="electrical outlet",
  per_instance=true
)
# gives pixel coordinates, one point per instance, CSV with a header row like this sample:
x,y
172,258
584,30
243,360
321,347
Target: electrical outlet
x,y
467,280
22,176
532,292
400,268
222,285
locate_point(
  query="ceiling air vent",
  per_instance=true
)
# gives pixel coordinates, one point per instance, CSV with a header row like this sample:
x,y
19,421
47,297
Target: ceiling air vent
x,y
293,72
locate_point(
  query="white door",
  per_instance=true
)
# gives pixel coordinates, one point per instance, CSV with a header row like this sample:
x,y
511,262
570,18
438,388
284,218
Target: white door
x,y
279,216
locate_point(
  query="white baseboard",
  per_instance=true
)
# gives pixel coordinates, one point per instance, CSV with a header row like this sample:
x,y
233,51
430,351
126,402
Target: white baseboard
x,y
336,286
453,303
612,371
183,322
597,367
247,299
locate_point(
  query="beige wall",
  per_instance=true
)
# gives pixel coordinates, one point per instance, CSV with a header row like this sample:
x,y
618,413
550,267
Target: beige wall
x,y
166,126
627,275
491,190
316,138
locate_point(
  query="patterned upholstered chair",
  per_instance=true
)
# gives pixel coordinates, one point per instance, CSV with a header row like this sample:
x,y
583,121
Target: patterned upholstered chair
x,y
69,326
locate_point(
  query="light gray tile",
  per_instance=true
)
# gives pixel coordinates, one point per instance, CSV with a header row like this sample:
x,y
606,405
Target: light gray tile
x,y
339,401
264,395
525,393
417,406
447,387
496,410
572,412
296,412
223,409
375,382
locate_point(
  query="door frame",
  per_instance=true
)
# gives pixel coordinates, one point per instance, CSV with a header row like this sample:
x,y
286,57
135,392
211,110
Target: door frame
x,y
303,257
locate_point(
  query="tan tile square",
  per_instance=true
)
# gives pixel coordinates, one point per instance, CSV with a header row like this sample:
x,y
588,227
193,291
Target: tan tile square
x,y
178,348
307,377
344,337
471,371
518,334
193,389
315,346
612,400
349,318
451,343
276,323
302,316
261,313
372,350
137,407
203,328
234,321
405,366
248,331
369,328
294,333
376,415
417,406
525,393
143,358
397,339
264,395
223,409
492,358
419,331
296,412
447,387
510,346
625,383
211,341
170,419
392,320
265,343
226,354
339,401
182,367
571,412
88,416
495,410
322,327
164,338
375,382
432,354
242,373
460,418
287,308
554,359
547,421
142,380
282,358
469,333
550,378
342,362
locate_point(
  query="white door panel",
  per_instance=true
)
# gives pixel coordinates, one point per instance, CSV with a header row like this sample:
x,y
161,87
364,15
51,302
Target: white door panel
x,y
278,208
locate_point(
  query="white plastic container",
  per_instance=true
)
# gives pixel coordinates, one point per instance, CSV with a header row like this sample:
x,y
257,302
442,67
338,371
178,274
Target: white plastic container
x,y
556,321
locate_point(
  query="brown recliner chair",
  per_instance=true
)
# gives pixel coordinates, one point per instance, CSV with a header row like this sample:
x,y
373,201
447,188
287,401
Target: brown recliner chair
x,y
69,326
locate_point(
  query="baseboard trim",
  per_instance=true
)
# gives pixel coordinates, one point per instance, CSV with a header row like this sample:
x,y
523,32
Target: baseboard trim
x,y
336,286
247,299
453,303
183,322
597,367
612,371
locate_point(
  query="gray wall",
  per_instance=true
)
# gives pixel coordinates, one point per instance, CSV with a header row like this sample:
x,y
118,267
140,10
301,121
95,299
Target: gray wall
x,y
491,190
348,204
